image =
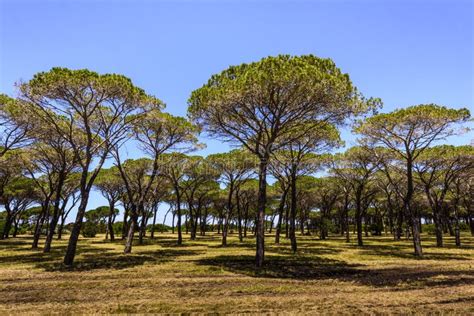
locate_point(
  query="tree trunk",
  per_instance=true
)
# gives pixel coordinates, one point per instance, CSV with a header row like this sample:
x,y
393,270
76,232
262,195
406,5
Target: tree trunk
x,y
281,208
125,221
15,227
155,210
411,211
438,228
110,223
76,229
239,221
39,225
131,231
261,203
471,224
358,217
346,217
293,213
178,211
8,225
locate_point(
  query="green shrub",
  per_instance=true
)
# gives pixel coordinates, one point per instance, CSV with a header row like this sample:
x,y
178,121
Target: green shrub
x,y
89,229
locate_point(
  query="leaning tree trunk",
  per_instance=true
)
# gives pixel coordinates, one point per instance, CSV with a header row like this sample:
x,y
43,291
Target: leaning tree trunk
x,y
76,229
131,231
39,224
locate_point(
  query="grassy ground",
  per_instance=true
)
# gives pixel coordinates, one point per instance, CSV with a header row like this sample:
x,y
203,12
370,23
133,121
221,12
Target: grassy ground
x,y
324,277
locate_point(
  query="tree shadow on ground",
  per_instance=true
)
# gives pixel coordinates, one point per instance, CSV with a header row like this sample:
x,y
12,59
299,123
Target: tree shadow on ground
x,y
294,267
413,277
93,261
404,253
317,268
38,256
244,244
310,249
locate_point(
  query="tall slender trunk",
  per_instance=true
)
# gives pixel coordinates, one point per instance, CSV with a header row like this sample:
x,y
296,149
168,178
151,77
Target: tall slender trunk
x,y
178,211
172,223
293,212
411,211
142,227
39,224
470,220
457,231
358,217
8,224
239,220
155,210
125,222
225,226
281,208
56,214
131,230
261,203
76,229
399,229
346,217
110,222
203,222
246,220
438,227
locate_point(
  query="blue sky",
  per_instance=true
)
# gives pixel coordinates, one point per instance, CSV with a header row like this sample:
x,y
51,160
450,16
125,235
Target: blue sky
x,y
405,52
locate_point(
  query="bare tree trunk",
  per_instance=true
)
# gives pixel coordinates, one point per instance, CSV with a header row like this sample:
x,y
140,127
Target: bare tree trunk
x,y
411,211
178,210
131,232
125,222
76,229
281,208
39,224
110,223
8,223
261,203
358,217
293,213
155,210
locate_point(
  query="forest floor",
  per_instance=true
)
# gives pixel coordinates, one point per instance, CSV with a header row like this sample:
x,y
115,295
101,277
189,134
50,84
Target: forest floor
x,y
200,276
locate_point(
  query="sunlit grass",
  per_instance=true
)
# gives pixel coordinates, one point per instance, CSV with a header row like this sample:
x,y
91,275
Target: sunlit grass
x,y
202,276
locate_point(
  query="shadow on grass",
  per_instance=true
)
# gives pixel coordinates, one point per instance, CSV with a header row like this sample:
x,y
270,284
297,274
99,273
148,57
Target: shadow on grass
x,y
306,249
405,252
414,277
88,256
117,261
292,267
316,268
231,245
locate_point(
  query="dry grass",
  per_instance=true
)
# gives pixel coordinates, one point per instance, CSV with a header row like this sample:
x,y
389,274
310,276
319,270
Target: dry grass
x,y
200,276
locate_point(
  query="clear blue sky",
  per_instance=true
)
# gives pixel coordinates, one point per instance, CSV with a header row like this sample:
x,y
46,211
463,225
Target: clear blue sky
x,y
405,52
